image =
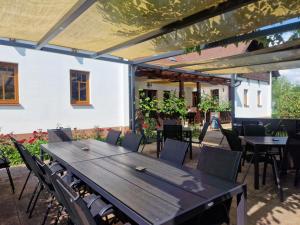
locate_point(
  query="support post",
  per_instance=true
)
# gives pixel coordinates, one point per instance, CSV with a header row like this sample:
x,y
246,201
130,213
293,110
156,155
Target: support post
x,y
181,89
132,109
198,93
232,97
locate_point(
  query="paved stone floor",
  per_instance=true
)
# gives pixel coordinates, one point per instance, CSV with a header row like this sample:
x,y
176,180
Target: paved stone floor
x,y
263,206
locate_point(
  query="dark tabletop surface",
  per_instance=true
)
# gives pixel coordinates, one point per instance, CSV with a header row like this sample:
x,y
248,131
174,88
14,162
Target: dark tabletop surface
x,y
72,151
158,195
264,140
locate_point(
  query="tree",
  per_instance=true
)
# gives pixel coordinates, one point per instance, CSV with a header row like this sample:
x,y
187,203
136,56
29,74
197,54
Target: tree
x,y
286,99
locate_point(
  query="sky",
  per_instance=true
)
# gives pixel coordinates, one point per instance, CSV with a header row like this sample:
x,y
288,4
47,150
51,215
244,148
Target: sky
x,y
292,75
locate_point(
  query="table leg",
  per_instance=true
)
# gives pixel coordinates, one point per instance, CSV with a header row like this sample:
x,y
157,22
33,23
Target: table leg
x,y
242,207
190,143
157,143
256,169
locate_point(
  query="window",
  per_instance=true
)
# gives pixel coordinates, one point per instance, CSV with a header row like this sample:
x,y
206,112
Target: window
x,y
9,83
166,95
79,87
215,94
195,98
152,94
259,99
246,98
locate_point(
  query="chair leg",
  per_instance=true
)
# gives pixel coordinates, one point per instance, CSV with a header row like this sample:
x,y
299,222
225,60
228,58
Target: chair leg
x,y
58,215
10,180
23,188
265,171
32,196
296,178
35,201
48,210
277,178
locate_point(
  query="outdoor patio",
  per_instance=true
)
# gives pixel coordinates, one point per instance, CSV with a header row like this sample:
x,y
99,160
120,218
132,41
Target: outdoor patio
x,y
263,206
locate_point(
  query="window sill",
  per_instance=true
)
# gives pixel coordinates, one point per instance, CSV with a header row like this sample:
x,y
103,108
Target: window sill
x,y
87,104
10,104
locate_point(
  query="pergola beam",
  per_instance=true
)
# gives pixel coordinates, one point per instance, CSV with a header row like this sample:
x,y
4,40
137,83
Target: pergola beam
x,y
226,41
179,24
60,50
65,21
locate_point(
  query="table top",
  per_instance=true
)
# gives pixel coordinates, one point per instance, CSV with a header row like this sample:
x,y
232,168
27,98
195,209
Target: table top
x,y
71,151
157,195
264,140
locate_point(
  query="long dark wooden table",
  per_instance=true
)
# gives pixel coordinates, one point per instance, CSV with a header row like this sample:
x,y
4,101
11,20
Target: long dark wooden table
x,y
258,141
162,194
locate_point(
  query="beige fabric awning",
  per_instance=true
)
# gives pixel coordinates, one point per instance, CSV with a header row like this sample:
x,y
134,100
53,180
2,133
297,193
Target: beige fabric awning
x,y
95,26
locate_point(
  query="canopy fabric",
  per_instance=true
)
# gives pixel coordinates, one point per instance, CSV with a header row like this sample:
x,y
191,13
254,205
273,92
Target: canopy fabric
x,y
237,51
254,59
92,26
243,20
258,68
108,23
31,20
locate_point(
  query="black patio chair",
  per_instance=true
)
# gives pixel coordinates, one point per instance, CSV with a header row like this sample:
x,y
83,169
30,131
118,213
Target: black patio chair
x,y
169,122
82,211
30,161
293,149
172,132
254,130
223,164
132,141
113,137
174,152
5,164
20,148
202,134
59,135
248,122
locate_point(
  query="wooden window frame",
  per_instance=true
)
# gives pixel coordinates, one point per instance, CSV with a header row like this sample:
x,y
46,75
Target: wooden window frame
x,y
246,103
14,101
259,98
79,102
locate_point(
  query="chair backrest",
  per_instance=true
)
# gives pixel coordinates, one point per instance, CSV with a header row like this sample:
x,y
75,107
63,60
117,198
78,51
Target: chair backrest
x,y
233,140
293,147
254,130
59,135
132,141
31,162
219,162
174,151
15,142
45,173
172,132
113,137
76,207
170,122
203,132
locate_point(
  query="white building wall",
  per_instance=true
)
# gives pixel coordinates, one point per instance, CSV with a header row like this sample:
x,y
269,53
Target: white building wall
x,y
44,92
253,110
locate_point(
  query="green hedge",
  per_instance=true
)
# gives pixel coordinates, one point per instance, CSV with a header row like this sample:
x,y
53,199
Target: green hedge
x,y
13,155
